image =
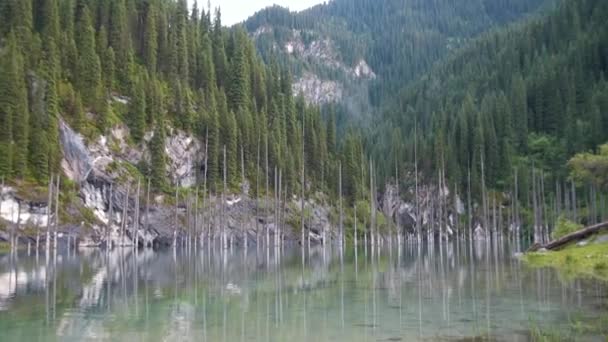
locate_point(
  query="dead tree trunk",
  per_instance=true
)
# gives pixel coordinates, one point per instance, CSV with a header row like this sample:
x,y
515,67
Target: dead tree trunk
x,y
48,214
572,237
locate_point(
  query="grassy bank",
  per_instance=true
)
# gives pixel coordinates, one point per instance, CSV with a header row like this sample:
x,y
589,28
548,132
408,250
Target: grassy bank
x,y
574,261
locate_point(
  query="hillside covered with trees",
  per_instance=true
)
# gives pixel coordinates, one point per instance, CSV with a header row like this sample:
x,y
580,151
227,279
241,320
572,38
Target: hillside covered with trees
x,y
69,60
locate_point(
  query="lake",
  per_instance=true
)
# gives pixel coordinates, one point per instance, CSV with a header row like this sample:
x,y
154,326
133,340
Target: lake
x,y
452,292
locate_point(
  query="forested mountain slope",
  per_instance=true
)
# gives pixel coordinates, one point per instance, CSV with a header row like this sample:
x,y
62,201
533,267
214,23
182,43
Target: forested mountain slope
x,y
152,65
527,96
398,39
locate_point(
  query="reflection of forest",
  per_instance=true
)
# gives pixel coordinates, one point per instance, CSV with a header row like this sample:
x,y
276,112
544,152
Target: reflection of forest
x,y
218,295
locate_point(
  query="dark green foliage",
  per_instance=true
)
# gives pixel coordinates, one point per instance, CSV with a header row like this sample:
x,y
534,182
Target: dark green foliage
x,y
152,65
15,99
531,92
137,110
89,66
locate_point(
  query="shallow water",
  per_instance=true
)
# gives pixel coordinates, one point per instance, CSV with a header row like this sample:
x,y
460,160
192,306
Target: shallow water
x,y
456,292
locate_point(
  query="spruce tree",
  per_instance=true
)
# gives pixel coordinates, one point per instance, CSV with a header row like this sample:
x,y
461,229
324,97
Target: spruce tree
x,y
18,99
89,66
150,41
137,110
8,76
212,136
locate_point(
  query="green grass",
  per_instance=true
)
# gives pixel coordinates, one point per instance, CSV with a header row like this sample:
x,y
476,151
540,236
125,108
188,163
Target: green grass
x,y
574,261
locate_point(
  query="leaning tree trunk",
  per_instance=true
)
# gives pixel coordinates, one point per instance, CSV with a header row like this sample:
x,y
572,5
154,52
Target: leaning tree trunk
x,y
575,236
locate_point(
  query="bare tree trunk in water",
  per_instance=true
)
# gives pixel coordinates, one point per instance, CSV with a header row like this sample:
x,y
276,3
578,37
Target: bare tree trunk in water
x,y
303,180
418,228
257,195
224,193
355,232
535,207
204,219
147,211
57,210
516,203
397,223
136,220
545,218
125,216
469,207
110,216
49,210
574,208
267,196
484,197
340,203
372,203
176,218
196,221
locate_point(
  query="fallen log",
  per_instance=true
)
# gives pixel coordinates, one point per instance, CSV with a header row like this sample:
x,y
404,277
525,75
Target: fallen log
x,y
575,236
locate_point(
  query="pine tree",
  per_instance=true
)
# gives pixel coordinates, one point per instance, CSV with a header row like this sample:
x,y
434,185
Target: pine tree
x,y
520,112
8,76
239,76
181,42
331,131
219,52
17,104
212,136
109,68
137,110
89,66
229,135
49,20
150,41
157,154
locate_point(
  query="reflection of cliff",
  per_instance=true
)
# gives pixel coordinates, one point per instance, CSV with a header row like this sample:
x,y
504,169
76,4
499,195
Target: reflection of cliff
x,y
16,281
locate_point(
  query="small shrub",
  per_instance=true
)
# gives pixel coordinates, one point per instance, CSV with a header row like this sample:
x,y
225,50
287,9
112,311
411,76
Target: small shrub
x,y
569,259
565,227
600,266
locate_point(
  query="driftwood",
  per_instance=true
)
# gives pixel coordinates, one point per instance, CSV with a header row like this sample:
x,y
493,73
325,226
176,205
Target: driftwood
x,y
576,236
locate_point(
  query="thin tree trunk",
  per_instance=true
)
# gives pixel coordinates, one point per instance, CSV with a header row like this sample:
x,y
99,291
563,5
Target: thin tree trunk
x,y
125,216
224,193
136,220
574,207
372,202
340,204
147,209
469,207
204,219
57,210
303,181
535,207
355,232
48,213
175,223
110,216
418,228
257,195
196,221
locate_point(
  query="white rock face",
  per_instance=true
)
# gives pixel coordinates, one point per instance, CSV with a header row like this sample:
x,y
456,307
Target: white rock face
x,y
316,50
185,156
316,90
362,70
24,213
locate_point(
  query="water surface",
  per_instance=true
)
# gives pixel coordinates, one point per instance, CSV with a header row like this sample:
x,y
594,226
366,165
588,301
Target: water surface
x,y
446,293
